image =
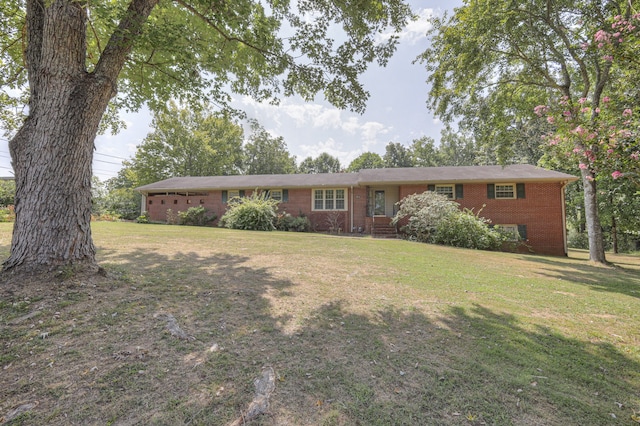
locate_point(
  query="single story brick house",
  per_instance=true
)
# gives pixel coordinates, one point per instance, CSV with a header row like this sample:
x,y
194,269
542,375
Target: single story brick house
x,y
524,198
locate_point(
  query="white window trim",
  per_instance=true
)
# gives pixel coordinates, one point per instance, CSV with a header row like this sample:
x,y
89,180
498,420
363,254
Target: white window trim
x,y
235,192
453,190
513,186
271,191
324,193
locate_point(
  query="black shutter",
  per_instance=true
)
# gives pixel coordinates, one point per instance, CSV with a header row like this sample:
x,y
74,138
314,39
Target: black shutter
x,y
285,195
224,197
459,193
431,188
241,193
491,191
522,230
520,190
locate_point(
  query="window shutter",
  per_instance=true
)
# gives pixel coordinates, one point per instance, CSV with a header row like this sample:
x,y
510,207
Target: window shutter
x,y
459,193
431,188
520,190
241,193
522,230
491,191
285,195
224,197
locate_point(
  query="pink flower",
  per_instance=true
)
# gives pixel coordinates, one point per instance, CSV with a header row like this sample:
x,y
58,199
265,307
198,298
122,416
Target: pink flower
x,y
607,58
540,109
583,166
606,99
627,112
582,100
551,120
635,155
617,174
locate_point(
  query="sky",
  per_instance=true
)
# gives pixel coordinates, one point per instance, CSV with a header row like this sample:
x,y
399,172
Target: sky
x,y
396,111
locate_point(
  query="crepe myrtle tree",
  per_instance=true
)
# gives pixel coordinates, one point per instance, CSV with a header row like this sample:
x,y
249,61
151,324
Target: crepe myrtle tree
x,y
74,60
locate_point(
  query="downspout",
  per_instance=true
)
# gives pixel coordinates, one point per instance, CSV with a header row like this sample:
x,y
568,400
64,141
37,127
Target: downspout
x,y
564,218
351,212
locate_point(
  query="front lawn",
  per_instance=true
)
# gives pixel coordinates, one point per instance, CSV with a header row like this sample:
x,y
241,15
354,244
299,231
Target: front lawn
x,y
356,331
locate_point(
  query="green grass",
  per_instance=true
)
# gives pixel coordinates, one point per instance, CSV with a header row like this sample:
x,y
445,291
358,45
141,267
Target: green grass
x,y
358,331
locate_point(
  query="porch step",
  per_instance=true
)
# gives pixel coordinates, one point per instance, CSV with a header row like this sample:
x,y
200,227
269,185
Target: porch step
x,y
384,231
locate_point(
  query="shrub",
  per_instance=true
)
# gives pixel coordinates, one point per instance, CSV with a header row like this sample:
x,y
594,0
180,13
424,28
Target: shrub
x,y
256,212
143,218
196,216
172,218
105,217
7,214
423,212
466,230
286,222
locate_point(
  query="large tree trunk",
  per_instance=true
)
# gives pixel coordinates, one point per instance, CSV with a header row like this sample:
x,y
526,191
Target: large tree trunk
x,y
594,230
53,151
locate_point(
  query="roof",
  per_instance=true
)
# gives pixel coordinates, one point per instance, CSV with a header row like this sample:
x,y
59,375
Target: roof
x,y
409,175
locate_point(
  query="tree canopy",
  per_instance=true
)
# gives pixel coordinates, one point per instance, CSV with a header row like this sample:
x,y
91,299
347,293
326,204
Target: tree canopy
x,y
323,163
265,154
492,63
367,160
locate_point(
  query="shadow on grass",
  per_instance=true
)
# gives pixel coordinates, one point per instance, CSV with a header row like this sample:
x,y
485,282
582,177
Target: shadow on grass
x,y
389,366
615,279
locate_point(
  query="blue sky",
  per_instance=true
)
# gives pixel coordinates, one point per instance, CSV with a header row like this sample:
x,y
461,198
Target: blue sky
x,y
396,112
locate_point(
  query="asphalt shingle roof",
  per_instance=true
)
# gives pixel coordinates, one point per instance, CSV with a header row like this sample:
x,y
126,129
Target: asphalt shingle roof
x,y
412,175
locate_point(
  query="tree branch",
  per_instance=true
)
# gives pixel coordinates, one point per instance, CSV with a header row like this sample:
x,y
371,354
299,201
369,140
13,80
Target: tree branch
x,y
121,42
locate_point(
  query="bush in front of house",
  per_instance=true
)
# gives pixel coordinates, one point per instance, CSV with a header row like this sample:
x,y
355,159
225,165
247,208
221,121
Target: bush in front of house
x,y
422,213
466,230
433,218
196,216
7,214
257,212
287,222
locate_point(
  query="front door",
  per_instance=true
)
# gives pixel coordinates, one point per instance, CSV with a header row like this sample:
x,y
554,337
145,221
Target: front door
x,y
378,206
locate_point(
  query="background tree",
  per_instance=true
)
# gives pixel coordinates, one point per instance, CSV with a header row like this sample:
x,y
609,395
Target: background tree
x,y
323,163
424,152
397,155
188,142
265,154
457,149
71,58
493,62
366,160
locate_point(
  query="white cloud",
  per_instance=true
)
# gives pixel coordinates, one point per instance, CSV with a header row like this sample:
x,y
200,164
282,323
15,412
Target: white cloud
x,y
415,30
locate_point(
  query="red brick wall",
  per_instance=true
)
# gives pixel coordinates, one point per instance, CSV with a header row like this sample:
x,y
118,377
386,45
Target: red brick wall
x,y
540,210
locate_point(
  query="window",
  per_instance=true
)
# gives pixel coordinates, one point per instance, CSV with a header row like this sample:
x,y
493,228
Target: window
x,y
227,195
150,201
518,232
505,191
329,199
275,194
451,191
446,190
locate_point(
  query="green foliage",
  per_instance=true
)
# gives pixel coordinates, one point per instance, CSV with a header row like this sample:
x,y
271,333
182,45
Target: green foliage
x,y
397,155
143,218
7,192
422,213
287,222
196,216
188,142
367,160
466,230
7,214
257,212
433,218
324,163
265,154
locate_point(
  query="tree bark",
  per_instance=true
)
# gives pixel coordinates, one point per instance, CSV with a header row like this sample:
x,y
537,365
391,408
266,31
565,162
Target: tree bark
x,y
53,151
594,230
